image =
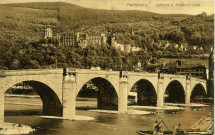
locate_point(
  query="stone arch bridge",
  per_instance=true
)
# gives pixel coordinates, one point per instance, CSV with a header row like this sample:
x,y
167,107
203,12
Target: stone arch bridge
x,y
58,89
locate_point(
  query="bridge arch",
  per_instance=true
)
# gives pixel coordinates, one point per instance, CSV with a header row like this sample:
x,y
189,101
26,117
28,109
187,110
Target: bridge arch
x,y
198,91
81,80
203,85
146,92
51,103
175,92
106,93
133,80
169,80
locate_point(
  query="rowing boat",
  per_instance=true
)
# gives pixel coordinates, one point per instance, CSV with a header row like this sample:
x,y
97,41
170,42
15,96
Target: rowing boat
x,y
151,133
205,126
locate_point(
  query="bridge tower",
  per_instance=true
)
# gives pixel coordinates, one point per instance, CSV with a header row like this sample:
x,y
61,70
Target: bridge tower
x,y
123,89
188,90
160,91
69,95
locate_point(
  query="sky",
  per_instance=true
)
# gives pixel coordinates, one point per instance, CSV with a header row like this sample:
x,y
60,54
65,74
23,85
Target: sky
x,y
158,6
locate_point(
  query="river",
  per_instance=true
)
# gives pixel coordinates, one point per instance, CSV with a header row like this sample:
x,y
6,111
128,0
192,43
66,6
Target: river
x,y
104,124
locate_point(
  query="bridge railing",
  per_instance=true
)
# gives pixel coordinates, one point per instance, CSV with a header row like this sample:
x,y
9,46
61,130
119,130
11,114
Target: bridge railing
x,y
199,80
86,71
30,72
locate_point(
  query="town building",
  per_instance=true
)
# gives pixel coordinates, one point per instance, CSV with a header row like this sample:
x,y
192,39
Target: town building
x,y
119,46
122,47
47,33
162,44
57,35
199,71
196,68
127,48
193,47
176,46
183,46
83,40
96,40
135,49
68,39
93,40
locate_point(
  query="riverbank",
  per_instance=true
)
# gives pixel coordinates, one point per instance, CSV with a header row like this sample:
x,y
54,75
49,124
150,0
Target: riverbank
x,y
186,105
12,128
156,108
19,95
29,104
117,112
77,118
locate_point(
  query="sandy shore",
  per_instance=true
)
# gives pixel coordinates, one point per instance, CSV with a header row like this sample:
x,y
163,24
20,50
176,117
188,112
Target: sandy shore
x,y
77,117
185,105
156,108
128,112
12,128
18,95
30,104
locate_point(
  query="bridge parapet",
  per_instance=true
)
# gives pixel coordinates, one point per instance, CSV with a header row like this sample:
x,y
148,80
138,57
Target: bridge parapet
x,y
199,80
145,74
30,72
174,76
89,71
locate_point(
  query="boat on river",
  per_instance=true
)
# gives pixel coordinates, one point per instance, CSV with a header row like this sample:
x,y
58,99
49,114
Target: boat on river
x,y
151,133
171,133
204,126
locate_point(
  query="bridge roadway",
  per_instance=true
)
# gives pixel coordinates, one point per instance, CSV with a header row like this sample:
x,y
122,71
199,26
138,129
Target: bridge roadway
x,y
58,89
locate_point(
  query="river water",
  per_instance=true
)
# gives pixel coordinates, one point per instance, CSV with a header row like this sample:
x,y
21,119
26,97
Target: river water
x,y
104,124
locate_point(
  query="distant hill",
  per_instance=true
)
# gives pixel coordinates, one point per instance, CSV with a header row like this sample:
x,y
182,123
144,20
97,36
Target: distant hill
x,y
43,5
73,16
26,21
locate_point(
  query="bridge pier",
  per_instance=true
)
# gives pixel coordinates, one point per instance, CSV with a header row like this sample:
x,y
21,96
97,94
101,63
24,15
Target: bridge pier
x,y
69,98
123,96
1,106
160,92
188,89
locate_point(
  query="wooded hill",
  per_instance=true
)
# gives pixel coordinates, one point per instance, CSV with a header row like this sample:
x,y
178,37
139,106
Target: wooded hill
x,y
22,24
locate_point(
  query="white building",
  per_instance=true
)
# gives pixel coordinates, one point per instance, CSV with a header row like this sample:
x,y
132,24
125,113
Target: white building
x,y
121,47
48,33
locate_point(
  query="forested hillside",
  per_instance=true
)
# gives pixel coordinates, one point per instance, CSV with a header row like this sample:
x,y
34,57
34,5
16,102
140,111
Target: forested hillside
x,y
21,29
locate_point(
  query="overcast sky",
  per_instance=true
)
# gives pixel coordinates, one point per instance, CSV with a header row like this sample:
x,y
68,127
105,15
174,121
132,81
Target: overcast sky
x,y
159,6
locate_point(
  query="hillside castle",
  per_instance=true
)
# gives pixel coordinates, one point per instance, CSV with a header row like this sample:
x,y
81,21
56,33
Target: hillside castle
x,y
83,40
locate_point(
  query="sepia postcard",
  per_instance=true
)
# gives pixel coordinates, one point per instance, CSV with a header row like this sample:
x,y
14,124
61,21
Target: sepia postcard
x,y
107,67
